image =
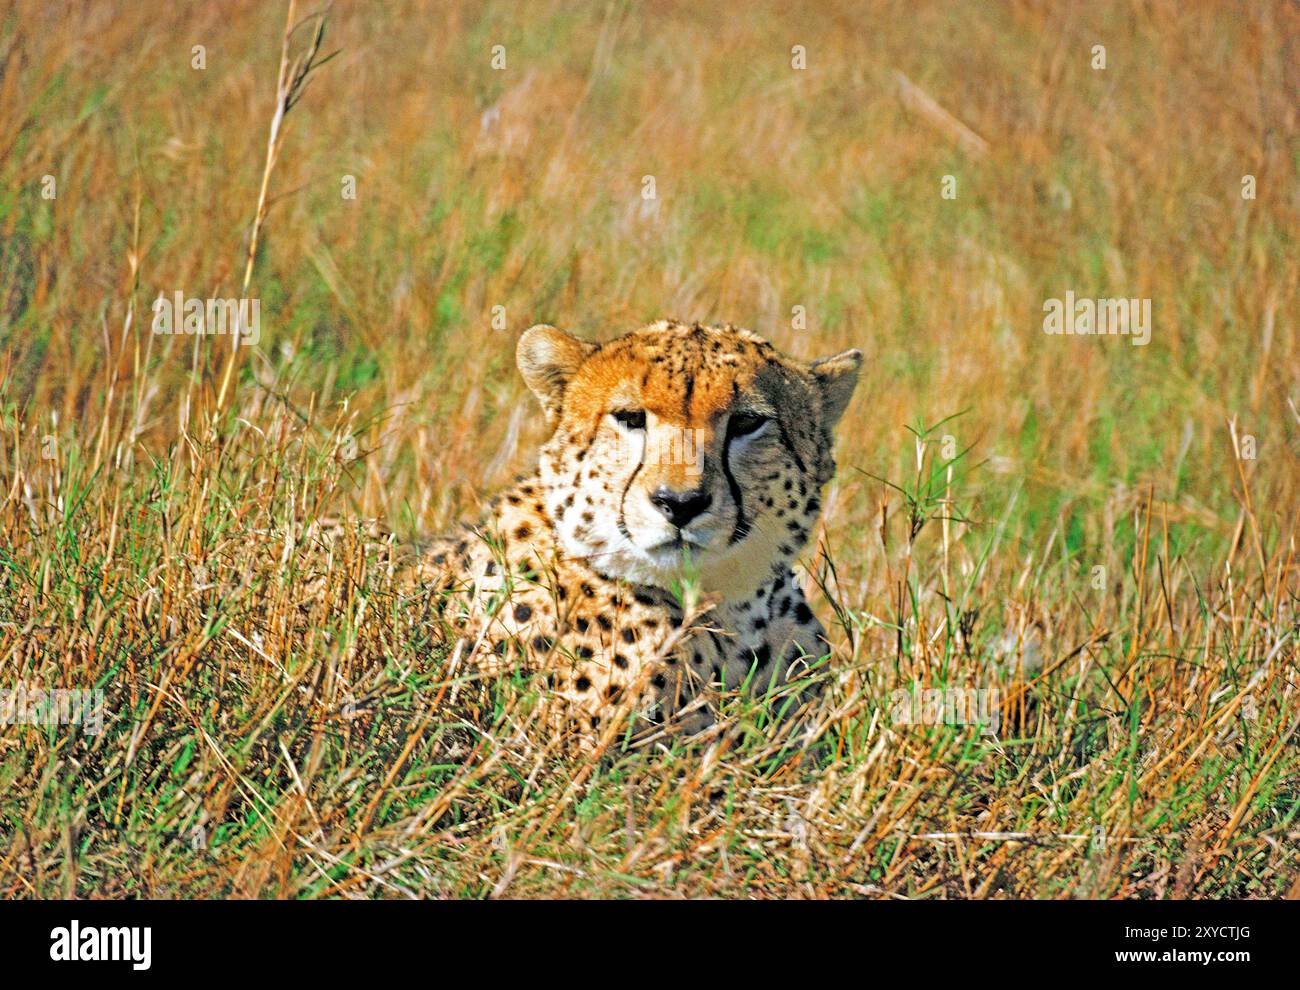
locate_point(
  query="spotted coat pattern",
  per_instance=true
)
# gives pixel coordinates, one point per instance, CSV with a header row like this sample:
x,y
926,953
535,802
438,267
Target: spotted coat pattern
x,y
648,563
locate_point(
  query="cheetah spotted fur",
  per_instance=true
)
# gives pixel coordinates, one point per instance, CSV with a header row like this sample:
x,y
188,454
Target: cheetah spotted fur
x,y
681,456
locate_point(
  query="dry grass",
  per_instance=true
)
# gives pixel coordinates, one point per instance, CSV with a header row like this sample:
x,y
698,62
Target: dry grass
x,y
283,717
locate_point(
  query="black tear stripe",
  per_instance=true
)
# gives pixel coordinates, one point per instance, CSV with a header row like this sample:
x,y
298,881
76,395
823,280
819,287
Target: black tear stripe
x,y
741,529
686,399
622,524
789,446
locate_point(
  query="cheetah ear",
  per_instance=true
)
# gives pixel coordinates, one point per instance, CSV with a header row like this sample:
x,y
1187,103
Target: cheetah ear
x,y
836,378
547,359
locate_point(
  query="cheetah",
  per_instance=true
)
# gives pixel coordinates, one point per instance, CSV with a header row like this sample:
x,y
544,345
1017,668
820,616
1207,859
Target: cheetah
x,y
646,566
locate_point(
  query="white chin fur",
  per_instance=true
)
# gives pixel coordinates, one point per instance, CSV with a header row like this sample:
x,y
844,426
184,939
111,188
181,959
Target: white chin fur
x,y
720,568
635,560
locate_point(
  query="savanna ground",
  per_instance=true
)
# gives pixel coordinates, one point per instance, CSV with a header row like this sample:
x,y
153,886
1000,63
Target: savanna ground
x,y
1104,533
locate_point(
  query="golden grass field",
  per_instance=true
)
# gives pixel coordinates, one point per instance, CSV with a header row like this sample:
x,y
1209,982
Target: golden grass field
x,y
280,720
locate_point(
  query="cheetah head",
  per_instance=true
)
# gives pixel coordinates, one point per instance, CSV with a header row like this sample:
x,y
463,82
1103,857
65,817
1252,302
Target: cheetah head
x,y
684,449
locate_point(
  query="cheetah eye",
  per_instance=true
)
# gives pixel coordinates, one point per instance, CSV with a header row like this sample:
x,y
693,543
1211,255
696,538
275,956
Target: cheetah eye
x,y
632,419
745,423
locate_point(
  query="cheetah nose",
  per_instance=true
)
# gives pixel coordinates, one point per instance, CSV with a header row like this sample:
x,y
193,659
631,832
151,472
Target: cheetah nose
x,y
680,507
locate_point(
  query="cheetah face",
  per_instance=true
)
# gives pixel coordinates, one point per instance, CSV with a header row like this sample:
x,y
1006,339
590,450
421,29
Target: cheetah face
x,y
684,449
